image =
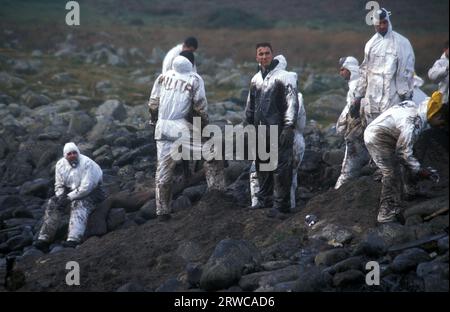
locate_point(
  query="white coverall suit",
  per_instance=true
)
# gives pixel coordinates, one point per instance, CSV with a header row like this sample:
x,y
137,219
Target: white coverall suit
x,y
356,155
298,148
390,140
439,74
85,191
176,97
386,74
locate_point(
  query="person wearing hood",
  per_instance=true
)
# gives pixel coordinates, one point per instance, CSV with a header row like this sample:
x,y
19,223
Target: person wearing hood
x,y
177,96
297,152
273,101
439,73
386,73
356,155
78,183
390,140
190,44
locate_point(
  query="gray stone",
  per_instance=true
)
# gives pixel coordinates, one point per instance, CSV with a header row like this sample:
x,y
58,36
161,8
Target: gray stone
x,y
310,279
116,217
33,253
349,277
104,86
27,67
230,259
275,265
194,273
79,123
181,203
33,100
330,257
20,241
62,78
194,193
112,109
414,220
353,263
334,233
3,271
394,233
189,251
373,246
311,161
432,273
131,287
172,285
56,249
327,106
409,259
148,210
266,279
38,187
333,157
443,245
8,81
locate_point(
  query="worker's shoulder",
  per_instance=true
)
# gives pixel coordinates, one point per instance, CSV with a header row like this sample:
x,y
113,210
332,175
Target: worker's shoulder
x,y
256,77
401,39
286,77
196,78
61,162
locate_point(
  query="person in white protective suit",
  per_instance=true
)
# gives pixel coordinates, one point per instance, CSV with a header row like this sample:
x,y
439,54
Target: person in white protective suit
x,y
190,44
78,183
390,140
386,74
297,156
356,155
176,97
273,101
439,73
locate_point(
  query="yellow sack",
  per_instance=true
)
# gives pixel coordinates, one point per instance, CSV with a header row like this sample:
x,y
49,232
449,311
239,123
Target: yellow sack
x,y
434,104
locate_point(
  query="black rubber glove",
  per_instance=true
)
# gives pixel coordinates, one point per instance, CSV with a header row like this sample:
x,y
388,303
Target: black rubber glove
x,y
62,201
354,108
287,136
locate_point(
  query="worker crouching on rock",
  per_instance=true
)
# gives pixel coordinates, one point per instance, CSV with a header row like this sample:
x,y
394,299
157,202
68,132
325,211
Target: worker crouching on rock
x,y
78,183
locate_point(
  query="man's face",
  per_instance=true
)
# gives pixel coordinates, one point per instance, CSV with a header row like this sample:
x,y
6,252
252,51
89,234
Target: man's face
x,y
446,52
187,48
264,56
382,27
345,73
72,157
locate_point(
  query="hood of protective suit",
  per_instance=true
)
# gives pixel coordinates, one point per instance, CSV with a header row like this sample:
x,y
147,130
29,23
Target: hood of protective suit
x,y
70,147
282,63
388,14
182,65
352,64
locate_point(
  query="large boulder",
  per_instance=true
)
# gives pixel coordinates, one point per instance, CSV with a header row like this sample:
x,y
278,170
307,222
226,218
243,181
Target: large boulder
x,y
113,109
229,261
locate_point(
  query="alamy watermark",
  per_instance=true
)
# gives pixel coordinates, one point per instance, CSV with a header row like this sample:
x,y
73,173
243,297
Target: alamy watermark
x,y
73,276
73,16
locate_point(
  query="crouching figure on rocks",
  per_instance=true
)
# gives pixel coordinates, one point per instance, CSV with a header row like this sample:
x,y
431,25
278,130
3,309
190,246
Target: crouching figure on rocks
x,y
78,184
390,140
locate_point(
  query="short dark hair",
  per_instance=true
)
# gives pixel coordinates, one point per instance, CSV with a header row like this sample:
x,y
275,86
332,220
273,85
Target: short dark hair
x,y
191,42
189,55
264,45
446,45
